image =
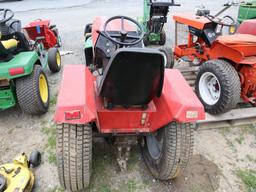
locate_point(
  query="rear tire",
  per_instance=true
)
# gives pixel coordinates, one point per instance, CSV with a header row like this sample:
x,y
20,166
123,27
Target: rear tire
x,y
54,60
228,82
74,156
176,151
32,96
162,38
169,57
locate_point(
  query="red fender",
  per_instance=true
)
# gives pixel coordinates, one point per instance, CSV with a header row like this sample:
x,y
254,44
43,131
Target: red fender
x,y
76,99
178,101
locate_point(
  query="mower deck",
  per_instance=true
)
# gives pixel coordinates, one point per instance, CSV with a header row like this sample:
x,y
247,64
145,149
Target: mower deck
x,y
244,114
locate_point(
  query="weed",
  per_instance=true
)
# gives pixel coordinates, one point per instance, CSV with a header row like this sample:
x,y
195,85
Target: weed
x,y
249,179
51,143
105,189
240,139
131,186
52,157
251,158
53,100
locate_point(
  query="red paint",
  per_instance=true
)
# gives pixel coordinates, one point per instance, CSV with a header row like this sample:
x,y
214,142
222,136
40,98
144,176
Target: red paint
x,y
78,92
16,71
238,49
50,37
247,27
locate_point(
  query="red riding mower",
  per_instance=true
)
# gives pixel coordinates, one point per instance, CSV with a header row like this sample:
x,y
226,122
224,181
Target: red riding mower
x,y
228,63
128,96
50,33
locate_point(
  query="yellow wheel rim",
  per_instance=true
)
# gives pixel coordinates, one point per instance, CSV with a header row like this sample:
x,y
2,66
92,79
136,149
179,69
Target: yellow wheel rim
x,y
43,88
58,59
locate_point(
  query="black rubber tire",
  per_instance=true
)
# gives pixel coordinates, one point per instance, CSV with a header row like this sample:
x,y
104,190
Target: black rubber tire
x,y
28,94
146,40
35,159
178,142
88,29
52,60
169,56
162,38
74,156
229,82
3,183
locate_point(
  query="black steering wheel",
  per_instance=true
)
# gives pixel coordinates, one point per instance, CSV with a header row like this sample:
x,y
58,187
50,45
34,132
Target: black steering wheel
x,y
123,35
5,16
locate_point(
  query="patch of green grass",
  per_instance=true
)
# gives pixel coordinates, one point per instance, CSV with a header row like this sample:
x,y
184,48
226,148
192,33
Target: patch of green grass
x,y
132,186
104,189
249,179
55,189
51,143
240,140
249,129
52,157
251,158
53,100
225,130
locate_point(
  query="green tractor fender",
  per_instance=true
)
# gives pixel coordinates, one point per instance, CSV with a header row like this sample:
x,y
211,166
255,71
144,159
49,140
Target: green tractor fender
x,y
20,65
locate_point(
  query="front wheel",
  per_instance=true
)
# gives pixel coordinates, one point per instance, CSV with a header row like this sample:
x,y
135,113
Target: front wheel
x,y
162,38
33,92
168,151
54,60
74,156
169,57
218,86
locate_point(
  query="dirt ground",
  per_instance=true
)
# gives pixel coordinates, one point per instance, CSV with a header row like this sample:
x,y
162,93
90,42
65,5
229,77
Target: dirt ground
x,y
218,154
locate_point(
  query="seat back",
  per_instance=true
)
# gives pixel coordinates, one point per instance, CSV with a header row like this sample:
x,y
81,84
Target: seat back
x,y
133,76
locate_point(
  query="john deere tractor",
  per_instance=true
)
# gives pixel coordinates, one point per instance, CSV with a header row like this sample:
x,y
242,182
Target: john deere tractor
x,y
22,67
153,20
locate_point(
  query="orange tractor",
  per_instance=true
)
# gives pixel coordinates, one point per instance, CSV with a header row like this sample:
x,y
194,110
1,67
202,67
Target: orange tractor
x,y
227,69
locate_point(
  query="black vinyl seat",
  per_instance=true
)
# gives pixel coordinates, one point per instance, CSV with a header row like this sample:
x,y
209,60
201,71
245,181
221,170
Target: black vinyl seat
x,y
133,77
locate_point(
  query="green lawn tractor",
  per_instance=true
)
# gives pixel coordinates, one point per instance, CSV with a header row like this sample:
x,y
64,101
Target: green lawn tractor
x,y
247,11
153,20
23,62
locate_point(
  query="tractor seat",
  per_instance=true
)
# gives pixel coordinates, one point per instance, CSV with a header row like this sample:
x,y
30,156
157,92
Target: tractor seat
x,y
10,44
237,39
133,77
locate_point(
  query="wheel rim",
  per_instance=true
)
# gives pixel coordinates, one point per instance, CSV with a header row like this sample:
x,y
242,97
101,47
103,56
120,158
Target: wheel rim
x,y
43,88
155,144
58,60
209,88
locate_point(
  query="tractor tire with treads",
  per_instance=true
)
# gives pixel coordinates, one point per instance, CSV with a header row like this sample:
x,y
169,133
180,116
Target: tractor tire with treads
x,y
169,57
33,92
226,91
74,156
162,38
54,60
170,158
